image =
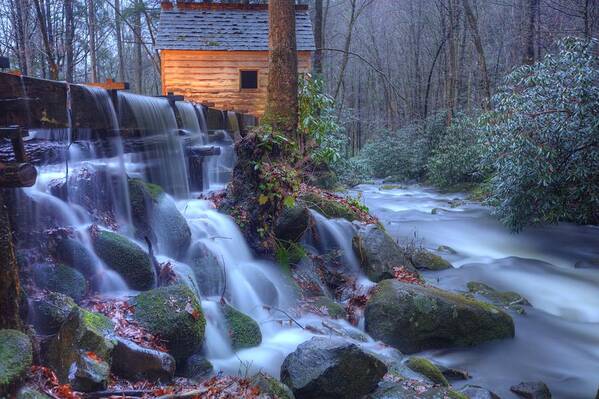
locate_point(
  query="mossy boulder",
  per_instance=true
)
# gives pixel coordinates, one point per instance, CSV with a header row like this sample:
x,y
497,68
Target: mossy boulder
x,y
426,368
329,368
477,392
197,368
328,207
508,299
80,353
424,259
292,224
173,313
413,318
332,308
141,202
60,278
244,332
127,258
171,228
532,390
379,253
51,311
272,387
73,253
136,363
16,356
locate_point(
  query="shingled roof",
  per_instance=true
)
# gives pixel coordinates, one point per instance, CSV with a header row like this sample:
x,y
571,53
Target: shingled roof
x,y
225,29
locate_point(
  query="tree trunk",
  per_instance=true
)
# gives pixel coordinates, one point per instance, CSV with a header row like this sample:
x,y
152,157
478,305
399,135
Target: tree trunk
x,y
318,37
282,102
137,50
119,39
91,26
529,31
69,35
9,272
480,51
52,66
346,47
452,62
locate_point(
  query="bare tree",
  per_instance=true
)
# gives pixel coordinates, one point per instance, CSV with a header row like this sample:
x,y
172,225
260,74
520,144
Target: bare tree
x,y
480,51
91,26
119,39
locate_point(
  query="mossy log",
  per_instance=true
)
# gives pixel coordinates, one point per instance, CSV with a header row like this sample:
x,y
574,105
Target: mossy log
x,y
9,272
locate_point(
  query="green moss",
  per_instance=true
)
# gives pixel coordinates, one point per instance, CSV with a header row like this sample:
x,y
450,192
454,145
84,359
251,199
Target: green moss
x,y
74,254
126,258
51,311
60,278
174,313
391,187
334,309
329,208
155,190
456,395
271,386
426,368
16,356
243,330
427,260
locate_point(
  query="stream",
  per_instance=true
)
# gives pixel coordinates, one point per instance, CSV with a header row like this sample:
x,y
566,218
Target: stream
x,y
555,267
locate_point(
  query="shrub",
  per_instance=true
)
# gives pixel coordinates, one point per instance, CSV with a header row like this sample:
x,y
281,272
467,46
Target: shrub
x,y
400,153
457,157
543,139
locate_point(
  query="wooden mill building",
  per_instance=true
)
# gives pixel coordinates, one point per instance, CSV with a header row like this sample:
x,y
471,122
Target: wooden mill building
x,y
217,53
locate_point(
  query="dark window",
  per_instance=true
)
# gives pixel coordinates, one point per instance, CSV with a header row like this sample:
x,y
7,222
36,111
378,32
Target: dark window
x,y
249,79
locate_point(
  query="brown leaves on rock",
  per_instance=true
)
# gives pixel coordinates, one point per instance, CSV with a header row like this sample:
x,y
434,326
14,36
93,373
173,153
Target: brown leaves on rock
x,y
406,276
120,312
46,381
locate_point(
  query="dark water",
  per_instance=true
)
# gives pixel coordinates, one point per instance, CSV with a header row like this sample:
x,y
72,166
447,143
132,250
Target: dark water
x,y
557,340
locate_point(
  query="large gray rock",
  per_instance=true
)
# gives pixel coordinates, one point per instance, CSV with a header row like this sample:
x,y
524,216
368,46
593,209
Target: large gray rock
x,y
292,223
413,318
80,353
142,208
411,389
73,253
379,253
272,387
197,368
208,270
330,368
51,311
171,228
532,390
135,363
423,259
16,355
127,258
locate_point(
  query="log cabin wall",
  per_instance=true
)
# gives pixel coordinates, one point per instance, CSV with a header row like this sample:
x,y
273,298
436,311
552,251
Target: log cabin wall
x,y
214,77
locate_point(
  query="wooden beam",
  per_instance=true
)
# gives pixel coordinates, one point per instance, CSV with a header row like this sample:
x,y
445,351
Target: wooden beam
x,y
13,175
110,84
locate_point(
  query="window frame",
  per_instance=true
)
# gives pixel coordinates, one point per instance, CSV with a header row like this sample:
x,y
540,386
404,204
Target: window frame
x,y
241,88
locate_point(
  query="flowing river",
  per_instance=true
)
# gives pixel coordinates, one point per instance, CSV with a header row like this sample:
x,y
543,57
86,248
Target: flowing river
x,y
555,267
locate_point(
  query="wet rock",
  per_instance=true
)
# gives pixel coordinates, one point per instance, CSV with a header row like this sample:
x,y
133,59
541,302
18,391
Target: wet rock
x,y
51,311
135,363
413,318
31,393
60,278
452,373
446,249
327,207
508,299
74,254
308,280
324,368
379,253
16,356
329,307
197,368
426,368
410,389
271,387
207,269
142,208
476,392
174,314
171,228
127,258
243,331
292,224
587,264
80,353
532,390
424,259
